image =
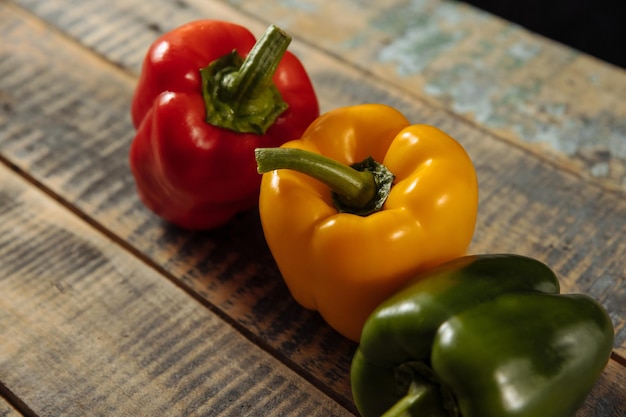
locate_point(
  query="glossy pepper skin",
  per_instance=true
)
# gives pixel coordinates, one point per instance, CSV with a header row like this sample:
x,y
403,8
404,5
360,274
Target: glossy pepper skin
x,y
343,264
481,336
188,171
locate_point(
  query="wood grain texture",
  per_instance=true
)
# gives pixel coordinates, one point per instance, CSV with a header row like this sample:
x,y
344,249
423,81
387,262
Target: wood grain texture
x,y
89,330
72,137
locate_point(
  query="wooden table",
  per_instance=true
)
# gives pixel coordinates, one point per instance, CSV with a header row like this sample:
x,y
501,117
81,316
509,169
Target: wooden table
x,y
107,310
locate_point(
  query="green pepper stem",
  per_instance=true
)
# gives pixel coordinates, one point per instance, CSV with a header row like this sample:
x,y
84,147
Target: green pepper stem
x,y
259,66
425,398
355,191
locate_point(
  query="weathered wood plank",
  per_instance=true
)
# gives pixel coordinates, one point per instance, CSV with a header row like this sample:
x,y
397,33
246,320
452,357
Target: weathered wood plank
x,y
77,145
555,101
90,330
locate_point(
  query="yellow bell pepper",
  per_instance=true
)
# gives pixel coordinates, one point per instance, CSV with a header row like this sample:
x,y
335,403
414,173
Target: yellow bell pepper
x,y
341,253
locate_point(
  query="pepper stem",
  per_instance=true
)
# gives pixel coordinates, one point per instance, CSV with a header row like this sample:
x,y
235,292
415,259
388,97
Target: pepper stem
x,y
239,93
256,72
425,398
359,189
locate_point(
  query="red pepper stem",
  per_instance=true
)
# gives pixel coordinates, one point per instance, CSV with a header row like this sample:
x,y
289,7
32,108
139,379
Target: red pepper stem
x,y
355,191
239,94
259,66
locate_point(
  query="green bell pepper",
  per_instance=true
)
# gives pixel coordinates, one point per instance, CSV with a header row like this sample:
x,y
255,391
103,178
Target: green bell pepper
x,y
481,336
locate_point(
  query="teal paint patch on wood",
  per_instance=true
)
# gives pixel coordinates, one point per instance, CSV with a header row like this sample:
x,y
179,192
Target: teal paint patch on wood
x,y
419,32
522,52
417,48
597,140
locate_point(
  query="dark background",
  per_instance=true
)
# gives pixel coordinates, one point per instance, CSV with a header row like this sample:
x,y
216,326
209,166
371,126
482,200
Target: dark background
x,y
597,27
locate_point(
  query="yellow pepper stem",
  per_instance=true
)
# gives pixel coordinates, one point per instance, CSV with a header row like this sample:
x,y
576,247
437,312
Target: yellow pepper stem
x,y
359,189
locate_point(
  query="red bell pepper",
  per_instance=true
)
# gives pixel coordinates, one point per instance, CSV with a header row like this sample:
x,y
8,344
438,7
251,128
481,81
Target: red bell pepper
x,y
207,96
